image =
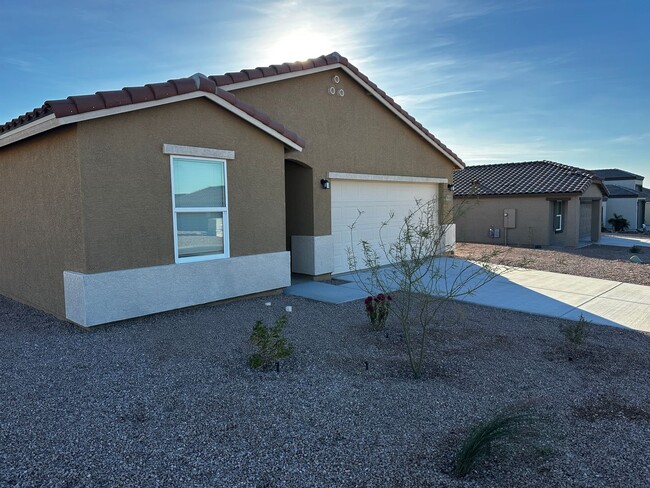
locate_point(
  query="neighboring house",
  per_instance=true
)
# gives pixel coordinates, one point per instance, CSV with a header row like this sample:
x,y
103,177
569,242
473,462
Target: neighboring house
x,y
627,197
135,201
537,203
646,220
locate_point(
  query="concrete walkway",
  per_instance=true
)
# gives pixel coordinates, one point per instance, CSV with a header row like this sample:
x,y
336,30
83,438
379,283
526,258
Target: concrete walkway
x,y
624,240
539,292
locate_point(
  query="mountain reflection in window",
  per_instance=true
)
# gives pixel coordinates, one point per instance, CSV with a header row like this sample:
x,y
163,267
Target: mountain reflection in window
x,y
212,196
199,184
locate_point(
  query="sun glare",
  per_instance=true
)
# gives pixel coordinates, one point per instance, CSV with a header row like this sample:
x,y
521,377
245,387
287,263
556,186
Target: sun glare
x,y
298,46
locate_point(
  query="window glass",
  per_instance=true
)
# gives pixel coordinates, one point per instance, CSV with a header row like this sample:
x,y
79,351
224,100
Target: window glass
x,y
199,183
199,233
558,215
200,209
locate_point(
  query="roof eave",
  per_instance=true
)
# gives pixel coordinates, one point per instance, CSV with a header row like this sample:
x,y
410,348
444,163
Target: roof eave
x,y
51,121
28,130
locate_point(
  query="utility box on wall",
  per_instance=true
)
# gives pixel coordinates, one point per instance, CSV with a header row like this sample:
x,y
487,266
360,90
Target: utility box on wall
x,y
509,218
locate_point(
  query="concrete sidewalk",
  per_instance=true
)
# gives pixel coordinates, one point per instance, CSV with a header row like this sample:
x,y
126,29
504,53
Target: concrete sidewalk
x,y
539,292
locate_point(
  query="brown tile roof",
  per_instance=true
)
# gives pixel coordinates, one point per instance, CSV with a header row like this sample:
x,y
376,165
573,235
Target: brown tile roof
x,y
527,178
80,104
211,84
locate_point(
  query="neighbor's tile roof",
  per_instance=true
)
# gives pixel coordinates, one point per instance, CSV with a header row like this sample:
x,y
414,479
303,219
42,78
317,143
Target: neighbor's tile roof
x,y
80,104
616,191
614,174
527,178
212,84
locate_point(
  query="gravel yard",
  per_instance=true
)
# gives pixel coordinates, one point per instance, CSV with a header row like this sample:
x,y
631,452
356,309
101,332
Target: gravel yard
x,y
605,262
169,400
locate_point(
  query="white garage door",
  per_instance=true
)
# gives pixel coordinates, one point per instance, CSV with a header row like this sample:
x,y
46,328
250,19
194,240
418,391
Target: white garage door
x,y
376,199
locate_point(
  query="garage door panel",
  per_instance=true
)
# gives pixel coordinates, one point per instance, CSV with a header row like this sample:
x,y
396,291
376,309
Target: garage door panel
x,y
376,200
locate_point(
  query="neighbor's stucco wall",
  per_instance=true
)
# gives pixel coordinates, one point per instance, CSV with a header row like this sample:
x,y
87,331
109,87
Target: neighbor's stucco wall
x,y
631,183
475,216
126,183
354,133
534,219
627,207
40,218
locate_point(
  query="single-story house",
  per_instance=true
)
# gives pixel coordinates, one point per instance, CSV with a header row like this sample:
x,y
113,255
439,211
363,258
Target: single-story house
x,y
627,197
150,198
536,203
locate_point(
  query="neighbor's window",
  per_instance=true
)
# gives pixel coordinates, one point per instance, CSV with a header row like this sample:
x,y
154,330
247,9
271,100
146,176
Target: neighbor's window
x,y
200,206
557,213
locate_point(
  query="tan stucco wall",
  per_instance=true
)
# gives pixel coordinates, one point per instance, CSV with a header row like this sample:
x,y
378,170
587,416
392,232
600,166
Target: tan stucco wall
x,y
475,216
126,183
594,195
534,219
350,134
40,218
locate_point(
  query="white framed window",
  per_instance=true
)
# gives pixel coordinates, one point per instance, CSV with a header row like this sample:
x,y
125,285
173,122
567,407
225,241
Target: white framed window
x,y
558,223
200,208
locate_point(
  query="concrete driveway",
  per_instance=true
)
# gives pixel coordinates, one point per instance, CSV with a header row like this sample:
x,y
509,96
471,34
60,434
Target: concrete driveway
x,y
539,292
624,240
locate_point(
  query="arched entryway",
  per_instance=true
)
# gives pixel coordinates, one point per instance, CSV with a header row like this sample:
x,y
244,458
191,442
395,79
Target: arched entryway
x,y
299,201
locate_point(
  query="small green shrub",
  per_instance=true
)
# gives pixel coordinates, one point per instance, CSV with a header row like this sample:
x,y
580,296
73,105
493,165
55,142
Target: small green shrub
x,y
576,333
635,249
270,343
508,426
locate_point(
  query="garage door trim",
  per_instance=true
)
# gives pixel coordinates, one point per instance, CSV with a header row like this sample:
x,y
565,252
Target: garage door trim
x,y
401,179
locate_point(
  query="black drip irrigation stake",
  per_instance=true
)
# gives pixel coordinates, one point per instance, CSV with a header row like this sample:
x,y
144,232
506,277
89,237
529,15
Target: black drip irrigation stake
x,y
277,366
367,365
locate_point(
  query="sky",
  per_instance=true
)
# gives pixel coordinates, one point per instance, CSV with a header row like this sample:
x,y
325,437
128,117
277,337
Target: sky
x,y
495,80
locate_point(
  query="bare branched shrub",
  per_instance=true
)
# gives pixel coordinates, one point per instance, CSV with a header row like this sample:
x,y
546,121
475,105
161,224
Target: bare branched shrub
x,y
415,265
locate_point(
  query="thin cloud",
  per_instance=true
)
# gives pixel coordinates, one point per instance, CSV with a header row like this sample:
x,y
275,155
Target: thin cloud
x,y
631,138
413,100
16,63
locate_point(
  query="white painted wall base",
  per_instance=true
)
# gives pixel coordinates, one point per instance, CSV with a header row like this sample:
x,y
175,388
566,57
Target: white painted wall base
x,y
448,240
312,255
94,299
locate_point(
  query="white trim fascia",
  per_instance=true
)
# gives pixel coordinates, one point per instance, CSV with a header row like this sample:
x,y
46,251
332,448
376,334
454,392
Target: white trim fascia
x,y
400,179
31,129
202,152
132,107
252,120
368,88
274,78
15,136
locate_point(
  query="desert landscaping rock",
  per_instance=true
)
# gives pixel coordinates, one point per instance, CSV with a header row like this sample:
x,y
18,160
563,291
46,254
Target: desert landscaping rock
x,y
169,400
595,261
